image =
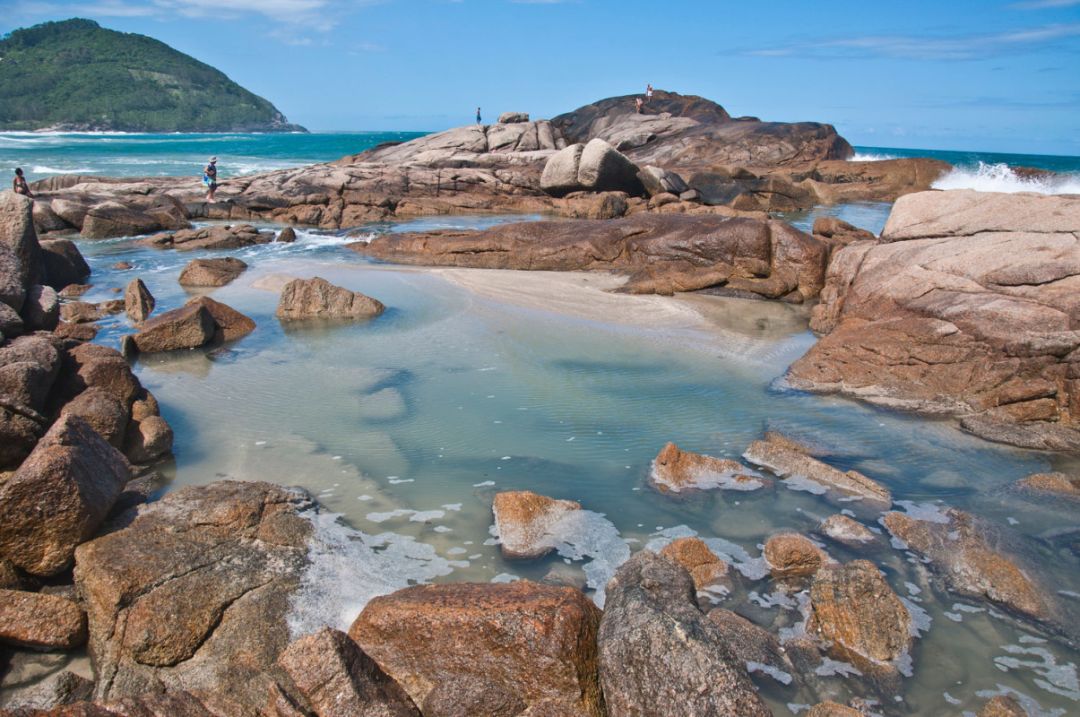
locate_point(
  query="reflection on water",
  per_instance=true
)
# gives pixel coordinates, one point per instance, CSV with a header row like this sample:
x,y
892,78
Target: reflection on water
x,y
407,425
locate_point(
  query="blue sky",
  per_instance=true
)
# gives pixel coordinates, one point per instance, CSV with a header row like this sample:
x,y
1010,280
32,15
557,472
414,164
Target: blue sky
x,y
951,74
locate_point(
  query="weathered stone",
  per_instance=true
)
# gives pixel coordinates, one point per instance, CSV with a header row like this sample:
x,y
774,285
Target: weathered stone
x,y
658,181
80,474
212,272
474,698
527,523
214,237
840,232
138,301
92,365
513,117
63,263
958,549
1003,706
791,555
112,219
230,324
677,471
332,677
40,621
50,692
595,167
659,655
754,646
317,298
148,439
103,412
76,332
844,530
29,366
705,567
535,641
11,324
287,235
41,309
787,462
10,577
852,606
942,318
832,709
1056,484
17,235
662,253
222,562
188,327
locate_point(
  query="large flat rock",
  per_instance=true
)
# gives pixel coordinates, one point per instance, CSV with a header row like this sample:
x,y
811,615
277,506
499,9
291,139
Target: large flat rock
x,y
970,307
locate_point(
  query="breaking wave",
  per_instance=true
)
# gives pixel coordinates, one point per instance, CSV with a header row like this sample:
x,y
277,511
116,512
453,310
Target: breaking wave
x,y
1003,178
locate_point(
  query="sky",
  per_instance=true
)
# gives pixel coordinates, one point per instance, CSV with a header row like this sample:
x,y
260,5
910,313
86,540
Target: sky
x,y
989,75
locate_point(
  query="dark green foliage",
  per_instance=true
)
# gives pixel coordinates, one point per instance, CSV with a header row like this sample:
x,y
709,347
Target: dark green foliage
x,y
77,75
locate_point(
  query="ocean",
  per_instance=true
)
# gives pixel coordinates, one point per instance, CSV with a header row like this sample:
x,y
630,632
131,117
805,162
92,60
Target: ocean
x,y
133,155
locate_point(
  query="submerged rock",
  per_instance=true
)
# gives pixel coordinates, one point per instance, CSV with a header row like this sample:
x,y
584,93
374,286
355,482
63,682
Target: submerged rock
x,y
678,471
957,549
832,709
1003,706
212,272
844,530
535,641
214,237
317,298
791,555
330,676
1055,484
853,607
59,496
193,593
40,621
659,655
526,522
787,462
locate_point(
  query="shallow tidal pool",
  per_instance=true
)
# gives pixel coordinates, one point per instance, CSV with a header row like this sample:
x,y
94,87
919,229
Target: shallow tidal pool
x,y
405,427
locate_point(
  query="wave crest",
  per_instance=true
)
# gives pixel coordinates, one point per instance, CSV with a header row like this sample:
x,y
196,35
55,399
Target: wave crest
x,y
1001,177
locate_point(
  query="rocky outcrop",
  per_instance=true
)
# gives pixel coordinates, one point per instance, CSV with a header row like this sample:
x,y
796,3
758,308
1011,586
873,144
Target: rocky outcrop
x,y
221,562
229,324
787,461
188,327
706,569
41,309
138,301
754,646
317,298
59,496
19,240
535,641
513,117
214,237
1055,484
328,675
967,308
592,167
659,655
959,548
39,621
677,471
837,232
657,180
527,523
211,272
63,263
661,253
791,555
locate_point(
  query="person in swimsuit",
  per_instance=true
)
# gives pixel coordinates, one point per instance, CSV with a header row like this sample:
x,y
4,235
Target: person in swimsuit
x,y
19,185
478,116
210,179
648,93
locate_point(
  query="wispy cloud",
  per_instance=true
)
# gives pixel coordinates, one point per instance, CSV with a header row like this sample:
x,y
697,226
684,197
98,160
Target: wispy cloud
x,y
960,47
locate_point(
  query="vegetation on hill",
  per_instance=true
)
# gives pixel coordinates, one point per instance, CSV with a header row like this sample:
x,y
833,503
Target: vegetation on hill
x,y
77,75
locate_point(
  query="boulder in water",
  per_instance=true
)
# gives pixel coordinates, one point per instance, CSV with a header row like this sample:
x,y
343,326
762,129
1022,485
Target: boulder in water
x,y
678,471
211,272
188,327
317,298
138,301
791,555
526,522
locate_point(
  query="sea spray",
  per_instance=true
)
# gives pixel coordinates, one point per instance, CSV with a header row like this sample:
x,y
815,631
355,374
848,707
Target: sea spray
x,y
1000,177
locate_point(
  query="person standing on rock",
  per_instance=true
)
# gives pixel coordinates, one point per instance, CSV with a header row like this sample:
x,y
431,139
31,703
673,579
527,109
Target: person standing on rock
x,y
638,104
19,185
210,179
648,93
478,121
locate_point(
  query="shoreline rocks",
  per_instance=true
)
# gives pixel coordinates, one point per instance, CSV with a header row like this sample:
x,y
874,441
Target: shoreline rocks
x,y
527,523
317,298
677,471
211,272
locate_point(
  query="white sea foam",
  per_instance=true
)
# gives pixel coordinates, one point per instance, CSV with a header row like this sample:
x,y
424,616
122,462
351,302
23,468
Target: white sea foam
x,y
43,169
1002,178
871,157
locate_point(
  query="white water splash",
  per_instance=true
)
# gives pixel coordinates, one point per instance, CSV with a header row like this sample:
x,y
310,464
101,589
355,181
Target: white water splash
x,y
871,157
1002,178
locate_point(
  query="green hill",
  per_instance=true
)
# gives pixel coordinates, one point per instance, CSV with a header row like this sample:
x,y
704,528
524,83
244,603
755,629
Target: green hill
x,y
77,75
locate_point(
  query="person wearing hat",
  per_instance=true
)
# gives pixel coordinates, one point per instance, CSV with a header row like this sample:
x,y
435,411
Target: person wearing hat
x,y
210,179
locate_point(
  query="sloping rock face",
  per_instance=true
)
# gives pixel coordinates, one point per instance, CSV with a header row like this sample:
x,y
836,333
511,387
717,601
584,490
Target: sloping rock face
x,y
526,522
536,641
317,298
659,655
960,549
59,496
193,593
754,646
682,132
970,307
662,253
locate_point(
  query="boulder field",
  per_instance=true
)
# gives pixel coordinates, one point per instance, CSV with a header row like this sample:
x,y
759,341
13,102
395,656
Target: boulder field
x,y
968,306
683,149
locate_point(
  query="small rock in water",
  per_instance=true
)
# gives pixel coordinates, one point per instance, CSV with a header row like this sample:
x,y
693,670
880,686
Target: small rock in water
x,y
287,235
694,555
844,530
676,471
791,555
211,272
1056,484
317,298
138,301
525,520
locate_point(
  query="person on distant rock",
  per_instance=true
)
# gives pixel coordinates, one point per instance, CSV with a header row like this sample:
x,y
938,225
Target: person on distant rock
x,y
648,93
478,121
19,185
210,179
638,104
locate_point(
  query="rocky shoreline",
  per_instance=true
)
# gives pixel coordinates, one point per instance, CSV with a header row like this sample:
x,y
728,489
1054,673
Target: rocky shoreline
x,y
966,306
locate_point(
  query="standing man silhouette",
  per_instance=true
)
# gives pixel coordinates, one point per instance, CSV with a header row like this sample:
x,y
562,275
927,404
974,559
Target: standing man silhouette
x,y
478,121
